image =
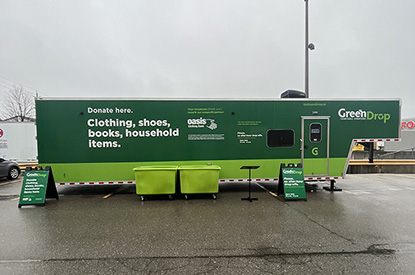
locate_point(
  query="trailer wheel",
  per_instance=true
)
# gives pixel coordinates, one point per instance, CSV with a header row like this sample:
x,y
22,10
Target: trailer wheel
x,y
13,173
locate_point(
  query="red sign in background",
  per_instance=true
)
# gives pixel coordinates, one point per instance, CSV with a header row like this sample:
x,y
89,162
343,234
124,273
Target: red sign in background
x,y
1,133
405,125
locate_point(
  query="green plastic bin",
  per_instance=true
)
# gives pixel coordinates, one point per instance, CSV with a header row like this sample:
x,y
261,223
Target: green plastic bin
x,y
155,180
199,179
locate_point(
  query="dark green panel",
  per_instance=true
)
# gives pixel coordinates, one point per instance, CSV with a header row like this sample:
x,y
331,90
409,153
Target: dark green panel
x,y
171,130
177,130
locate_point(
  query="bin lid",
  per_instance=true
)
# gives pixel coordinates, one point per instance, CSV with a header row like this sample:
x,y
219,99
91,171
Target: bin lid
x,y
199,167
155,168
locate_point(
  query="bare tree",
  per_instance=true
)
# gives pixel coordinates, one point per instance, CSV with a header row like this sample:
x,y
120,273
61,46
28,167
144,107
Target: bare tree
x,y
18,106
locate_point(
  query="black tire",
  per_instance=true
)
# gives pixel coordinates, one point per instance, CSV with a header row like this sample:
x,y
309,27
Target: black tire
x,y
14,173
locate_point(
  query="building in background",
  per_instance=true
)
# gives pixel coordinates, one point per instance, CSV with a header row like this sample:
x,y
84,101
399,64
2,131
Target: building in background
x,y
18,141
407,142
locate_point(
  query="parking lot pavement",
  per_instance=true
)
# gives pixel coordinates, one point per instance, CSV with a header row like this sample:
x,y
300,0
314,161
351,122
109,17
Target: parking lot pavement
x,y
10,188
368,228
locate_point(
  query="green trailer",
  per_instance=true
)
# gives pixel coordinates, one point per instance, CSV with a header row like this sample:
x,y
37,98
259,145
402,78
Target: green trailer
x,y
101,141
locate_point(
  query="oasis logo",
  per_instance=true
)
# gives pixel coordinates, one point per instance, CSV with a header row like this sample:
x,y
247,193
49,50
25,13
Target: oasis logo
x,y
362,115
202,123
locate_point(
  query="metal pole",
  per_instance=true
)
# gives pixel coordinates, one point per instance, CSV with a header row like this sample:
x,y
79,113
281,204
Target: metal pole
x,y
306,50
249,196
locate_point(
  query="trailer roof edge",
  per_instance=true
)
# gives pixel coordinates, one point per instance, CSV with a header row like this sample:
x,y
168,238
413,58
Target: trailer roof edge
x,y
216,99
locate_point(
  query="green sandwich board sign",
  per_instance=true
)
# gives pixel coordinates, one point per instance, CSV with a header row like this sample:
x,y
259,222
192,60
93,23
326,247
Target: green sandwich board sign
x,y
37,186
291,182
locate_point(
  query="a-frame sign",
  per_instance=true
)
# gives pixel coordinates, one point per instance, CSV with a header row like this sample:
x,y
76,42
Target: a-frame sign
x,y
38,185
291,182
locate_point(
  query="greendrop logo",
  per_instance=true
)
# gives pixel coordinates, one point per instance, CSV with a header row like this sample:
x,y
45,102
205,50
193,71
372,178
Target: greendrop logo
x,y
292,172
362,115
202,123
314,151
35,175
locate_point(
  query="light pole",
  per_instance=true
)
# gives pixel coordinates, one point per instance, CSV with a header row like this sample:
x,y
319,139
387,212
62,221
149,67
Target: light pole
x,y
308,46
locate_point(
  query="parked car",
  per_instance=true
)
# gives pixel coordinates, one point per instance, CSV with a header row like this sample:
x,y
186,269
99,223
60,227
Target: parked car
x,y
9,169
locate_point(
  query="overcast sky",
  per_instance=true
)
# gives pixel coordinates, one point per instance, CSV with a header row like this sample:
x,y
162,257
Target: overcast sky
x,y
209,48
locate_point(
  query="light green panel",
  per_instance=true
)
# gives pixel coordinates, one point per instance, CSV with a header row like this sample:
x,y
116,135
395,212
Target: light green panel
x,y
337,167
230,169
315,167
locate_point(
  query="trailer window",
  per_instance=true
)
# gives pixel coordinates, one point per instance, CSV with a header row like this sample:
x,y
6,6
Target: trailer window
x,y
315,132
280,138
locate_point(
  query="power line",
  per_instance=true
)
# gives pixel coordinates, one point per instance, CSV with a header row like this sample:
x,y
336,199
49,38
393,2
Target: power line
x,y
15,83
5,84
25,86
10,88
5,87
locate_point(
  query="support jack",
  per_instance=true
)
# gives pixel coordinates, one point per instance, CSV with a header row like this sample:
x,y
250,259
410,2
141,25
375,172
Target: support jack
x,y
332,188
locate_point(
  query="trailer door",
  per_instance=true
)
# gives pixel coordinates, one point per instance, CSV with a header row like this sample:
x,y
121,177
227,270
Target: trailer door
x,y
315,140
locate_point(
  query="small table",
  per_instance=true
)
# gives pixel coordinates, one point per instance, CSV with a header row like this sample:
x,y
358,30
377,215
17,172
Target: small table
x,y
249,180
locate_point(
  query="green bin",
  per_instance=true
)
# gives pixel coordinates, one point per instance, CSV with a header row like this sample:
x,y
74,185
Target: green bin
x,y
199,179
155,180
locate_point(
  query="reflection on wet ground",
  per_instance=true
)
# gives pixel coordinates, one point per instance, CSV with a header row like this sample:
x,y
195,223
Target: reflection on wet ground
x,y
368,228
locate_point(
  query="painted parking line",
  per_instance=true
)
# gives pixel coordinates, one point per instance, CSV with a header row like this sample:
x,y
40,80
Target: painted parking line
x,y
9,182
405,176
266,190
348,192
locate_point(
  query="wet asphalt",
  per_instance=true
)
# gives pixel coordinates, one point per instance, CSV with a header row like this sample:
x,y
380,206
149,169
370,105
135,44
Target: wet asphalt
x,y
368,228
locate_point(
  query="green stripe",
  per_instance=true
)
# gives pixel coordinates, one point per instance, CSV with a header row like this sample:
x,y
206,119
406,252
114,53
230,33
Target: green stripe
x,y
230,169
